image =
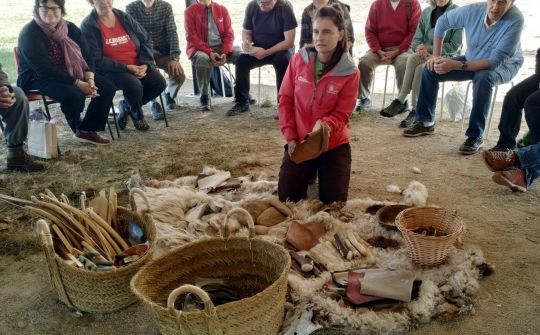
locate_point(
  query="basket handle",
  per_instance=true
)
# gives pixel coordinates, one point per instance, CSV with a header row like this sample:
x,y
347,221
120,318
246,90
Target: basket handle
x,y
187,288
249,221
140,192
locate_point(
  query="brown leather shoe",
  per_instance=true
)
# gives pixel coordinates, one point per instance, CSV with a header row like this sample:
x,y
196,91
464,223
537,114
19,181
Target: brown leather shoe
x,y
512,178
19,160
500,160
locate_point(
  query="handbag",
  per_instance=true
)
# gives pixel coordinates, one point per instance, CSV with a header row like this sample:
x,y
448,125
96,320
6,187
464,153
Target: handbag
x,y
42,139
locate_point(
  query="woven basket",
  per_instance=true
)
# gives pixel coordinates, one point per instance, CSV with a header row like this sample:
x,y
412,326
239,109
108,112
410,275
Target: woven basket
x,y
255,268
429,250
99,292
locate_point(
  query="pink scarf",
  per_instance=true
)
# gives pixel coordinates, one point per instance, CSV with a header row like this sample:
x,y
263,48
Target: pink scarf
x,y
75,63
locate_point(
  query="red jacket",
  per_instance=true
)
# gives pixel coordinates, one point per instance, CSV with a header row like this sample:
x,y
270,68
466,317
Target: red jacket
x,y
196,27
388,28
302,101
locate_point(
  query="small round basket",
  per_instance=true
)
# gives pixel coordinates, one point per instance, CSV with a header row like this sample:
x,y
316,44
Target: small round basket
x,y
428,250
386,216
257,269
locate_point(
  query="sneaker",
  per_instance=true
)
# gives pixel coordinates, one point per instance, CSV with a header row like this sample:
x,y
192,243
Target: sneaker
x,y
418,129
512,178
123,114
141,125
471,145
363,104
500,160
157,111
205,103
238,109
409,120
395,108
90,137
171,104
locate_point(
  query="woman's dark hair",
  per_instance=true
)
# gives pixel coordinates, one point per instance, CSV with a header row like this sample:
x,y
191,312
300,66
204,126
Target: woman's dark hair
x,y
60,3
335,14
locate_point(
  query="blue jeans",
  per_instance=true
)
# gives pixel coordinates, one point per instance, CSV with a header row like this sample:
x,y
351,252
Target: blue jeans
x,y
529,157
525,95
483,83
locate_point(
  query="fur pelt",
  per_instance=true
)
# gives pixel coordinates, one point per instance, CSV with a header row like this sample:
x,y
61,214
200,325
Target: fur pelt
x,y
446,290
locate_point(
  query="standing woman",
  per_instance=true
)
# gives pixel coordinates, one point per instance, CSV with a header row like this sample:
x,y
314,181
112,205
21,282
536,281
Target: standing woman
x,y
320,87
123,52
54,58
422,45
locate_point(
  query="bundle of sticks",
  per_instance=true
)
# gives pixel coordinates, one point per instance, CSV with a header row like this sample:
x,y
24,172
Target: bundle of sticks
x,y
92,229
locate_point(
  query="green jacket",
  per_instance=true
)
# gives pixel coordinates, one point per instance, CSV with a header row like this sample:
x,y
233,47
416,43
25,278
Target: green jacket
x,y
424,35
3,77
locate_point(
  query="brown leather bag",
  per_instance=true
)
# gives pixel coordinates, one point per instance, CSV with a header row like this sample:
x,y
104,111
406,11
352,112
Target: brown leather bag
x,y
314,144
305,236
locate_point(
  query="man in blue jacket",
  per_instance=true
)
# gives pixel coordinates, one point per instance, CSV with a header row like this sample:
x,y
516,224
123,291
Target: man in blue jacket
x,y
493,56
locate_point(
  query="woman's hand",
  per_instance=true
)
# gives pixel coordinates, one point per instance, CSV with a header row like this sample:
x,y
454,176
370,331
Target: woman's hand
x,y
138,71
291,145
90,90
7,98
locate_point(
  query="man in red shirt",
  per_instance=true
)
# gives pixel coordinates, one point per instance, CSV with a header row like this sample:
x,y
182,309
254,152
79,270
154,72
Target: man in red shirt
x,y
389,30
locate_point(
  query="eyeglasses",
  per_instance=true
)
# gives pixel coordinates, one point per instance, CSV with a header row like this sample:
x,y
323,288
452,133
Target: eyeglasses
x,y
46,9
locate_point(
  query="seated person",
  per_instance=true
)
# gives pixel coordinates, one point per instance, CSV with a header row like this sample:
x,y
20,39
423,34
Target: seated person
x,y
306,31
326,73
209,37
122,51
523,96
156,16
14,114
422,44
54,59
493,56
267,38
390,27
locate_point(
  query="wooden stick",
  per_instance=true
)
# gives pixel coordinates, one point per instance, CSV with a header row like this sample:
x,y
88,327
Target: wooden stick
x,y
346,253
304,263
62,237
357,245
349,246
108,228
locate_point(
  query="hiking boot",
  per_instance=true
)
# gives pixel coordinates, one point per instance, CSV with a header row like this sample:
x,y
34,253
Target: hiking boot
x,y
500,160
157,111
169,101
90,137
364,103
512,178
141,125
238,109
205,103
123,114
418,129
471,145
395,108
18,160
409,120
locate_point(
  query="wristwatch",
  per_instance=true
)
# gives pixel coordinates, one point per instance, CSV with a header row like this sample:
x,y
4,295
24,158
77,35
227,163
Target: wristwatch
x,y
464,65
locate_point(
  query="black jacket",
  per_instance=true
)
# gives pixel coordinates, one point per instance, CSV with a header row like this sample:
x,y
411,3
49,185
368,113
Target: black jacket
x,y
34,62
139,36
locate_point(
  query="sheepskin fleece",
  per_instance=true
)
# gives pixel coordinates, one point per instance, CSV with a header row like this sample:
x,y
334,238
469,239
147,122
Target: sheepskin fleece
x,y
446,291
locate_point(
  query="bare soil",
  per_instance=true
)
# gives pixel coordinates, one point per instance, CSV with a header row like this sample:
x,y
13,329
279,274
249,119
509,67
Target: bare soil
x,y
505,225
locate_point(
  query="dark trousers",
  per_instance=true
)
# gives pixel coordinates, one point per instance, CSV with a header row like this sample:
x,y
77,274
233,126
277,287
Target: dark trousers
x,y
137,92
333,168
526,95
72,102
280,61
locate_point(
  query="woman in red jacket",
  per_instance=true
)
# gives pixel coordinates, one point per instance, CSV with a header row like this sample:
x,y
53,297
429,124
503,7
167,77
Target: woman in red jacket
x,y
318,92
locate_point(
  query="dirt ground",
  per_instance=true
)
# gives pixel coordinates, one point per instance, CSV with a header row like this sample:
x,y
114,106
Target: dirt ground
x,y
505,225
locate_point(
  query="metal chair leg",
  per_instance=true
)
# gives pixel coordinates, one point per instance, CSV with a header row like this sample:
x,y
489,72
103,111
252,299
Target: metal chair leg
x,y
259,90
110,129
442,101
465,104
490,115
163,108
115,121
385,84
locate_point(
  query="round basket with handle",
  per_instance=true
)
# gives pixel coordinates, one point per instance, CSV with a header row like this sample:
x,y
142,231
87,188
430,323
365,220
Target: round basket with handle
x,y
99,292
423,249
254,268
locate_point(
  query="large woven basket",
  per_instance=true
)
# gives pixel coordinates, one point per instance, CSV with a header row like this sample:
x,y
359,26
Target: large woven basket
x,y
255,268
99,292
429,250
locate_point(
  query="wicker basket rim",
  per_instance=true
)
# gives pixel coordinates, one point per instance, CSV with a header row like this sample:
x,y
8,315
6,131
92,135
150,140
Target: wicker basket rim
x,y
410,231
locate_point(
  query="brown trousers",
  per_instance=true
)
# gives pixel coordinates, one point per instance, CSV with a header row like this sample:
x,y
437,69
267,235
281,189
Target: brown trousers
x,y
333,168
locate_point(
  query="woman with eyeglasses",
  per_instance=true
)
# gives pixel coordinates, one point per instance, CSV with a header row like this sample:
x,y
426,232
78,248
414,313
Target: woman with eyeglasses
x,y
318,92
54,59
123,52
